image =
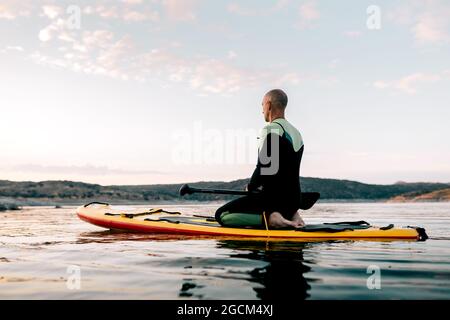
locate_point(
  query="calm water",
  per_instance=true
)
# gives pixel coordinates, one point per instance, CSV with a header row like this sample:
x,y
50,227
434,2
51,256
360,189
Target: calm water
x,y
37,245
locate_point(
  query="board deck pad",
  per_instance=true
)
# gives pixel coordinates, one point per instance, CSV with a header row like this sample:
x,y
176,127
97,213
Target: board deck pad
x,y
329,227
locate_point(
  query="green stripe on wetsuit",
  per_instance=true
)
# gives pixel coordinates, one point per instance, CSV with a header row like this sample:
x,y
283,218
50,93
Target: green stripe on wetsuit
x,y
280,126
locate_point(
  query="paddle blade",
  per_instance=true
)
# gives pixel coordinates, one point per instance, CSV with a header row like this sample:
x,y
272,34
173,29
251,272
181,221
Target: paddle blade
x,y
185,189
309,199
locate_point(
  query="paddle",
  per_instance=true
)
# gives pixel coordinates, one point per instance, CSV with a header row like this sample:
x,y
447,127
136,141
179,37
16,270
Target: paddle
x,y
308,198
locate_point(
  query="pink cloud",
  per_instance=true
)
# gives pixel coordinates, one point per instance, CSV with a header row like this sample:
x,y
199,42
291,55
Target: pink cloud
x,y
238,9
410,83
430,29
353,34
100,53
139,16
308,14
11,10
127,12
428,22
51,11
133,2
180,10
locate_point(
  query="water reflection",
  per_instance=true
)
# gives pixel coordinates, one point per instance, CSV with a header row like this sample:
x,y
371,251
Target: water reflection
x,y
185,291
110,236
283,278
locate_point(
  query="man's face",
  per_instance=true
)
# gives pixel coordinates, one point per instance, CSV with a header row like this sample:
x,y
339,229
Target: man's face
x,y
266,108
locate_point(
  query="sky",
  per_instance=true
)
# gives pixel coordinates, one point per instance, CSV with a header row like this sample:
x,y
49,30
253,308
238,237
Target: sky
x,y
166,91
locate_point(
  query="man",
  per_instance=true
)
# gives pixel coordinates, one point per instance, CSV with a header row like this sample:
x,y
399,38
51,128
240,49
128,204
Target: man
x,y
276,176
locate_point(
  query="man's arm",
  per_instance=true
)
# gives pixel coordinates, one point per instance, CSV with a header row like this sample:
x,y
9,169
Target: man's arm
x,y
255,180
259,180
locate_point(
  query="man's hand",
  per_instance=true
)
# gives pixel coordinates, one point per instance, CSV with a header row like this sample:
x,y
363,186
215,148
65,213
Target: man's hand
x,y
258,189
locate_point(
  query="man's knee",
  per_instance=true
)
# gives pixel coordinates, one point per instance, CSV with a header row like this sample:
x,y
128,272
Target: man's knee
x,y
218,215
274,216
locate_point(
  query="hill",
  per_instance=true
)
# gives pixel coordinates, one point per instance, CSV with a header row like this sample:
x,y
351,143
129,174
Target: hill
x,y
330,189
439,195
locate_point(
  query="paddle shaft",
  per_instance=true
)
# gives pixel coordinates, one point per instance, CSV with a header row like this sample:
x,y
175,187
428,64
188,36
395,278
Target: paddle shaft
x,y
222,191
308,198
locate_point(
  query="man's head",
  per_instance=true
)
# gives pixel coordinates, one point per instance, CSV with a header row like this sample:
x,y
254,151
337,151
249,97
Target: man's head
x,y
274,103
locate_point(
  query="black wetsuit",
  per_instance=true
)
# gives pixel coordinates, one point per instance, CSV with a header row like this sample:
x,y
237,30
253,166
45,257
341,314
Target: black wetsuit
x,y
280,189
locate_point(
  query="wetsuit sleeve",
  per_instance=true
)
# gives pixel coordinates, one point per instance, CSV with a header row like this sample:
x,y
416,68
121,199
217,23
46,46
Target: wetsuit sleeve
x,y
259,180
255,180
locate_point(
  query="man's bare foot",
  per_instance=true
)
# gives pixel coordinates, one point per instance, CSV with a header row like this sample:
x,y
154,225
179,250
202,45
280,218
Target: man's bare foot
x,y
277,221
297,220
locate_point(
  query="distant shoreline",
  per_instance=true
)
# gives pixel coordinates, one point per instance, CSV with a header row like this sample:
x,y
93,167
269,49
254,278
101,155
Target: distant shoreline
x,y
70,193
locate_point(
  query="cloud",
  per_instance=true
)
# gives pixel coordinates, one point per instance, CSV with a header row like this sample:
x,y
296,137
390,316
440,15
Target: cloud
x,y
280,4
57,28
381,84
352,34
428,21
48,32
52,12
139,16
308,14
238,9
12,48
289,78
232,55
132,2
125,10
217,77
80,170
334,63
95,52
109,12
11,10
97,38
114,56
128,12
202,74
409,83
430,29
101,52
180,10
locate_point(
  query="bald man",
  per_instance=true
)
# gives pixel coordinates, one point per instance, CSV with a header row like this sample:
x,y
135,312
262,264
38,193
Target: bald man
x,y
277,172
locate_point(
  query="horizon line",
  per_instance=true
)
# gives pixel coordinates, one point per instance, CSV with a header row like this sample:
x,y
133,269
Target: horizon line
x,y
226,181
